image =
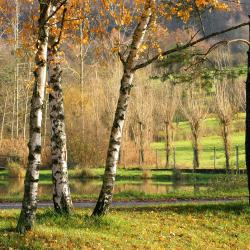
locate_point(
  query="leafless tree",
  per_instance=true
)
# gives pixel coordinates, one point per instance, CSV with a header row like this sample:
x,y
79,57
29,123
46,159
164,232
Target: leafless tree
x,y
225,108
194,107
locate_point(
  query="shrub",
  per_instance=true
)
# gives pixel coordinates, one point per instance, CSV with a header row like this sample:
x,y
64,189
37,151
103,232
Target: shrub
x,y
83,172
15,170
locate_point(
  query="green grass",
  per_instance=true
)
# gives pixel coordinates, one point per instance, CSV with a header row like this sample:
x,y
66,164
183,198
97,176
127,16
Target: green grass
x,y
184,152
224,226
211,139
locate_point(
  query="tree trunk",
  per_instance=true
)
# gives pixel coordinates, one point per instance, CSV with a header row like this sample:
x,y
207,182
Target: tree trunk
x,y
61,191
45,121
81,77
16,32
29,204
167,143
25,113
196,161
106,194
3,119
13,113
247,140
226,141
141,151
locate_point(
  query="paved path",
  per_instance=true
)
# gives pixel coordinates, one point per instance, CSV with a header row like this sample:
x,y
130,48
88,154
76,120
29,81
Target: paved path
x,y
91,204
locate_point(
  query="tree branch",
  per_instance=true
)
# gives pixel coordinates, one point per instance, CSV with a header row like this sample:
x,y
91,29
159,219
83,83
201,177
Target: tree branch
x,y
61,29
56,10
188,45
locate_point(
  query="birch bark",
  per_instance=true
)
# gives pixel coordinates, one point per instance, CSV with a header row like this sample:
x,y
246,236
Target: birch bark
x,y
29,204
61,191
106,194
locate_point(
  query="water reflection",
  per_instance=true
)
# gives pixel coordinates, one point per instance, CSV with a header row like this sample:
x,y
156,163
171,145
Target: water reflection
x,y
14,187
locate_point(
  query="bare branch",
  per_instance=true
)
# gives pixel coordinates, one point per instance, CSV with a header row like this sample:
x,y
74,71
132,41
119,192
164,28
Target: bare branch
x,y
188,45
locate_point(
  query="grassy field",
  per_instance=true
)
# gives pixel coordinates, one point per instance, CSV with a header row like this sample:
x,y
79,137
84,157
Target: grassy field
x,y
210,139
224,226
184,152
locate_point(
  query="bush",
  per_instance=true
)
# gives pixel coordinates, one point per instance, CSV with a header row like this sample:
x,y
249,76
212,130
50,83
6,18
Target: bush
x,y
146,174
15,170
83,172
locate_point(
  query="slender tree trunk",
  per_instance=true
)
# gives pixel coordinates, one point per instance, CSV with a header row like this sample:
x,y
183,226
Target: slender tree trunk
x,y
3,119
106,194
196,161
247,141
61,191
29,204
45,121
81,77
141,156
16,31
226,141
13,113
167,143
25,114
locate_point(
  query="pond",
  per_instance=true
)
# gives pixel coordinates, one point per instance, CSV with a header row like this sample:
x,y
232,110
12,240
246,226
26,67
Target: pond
x,y
14,187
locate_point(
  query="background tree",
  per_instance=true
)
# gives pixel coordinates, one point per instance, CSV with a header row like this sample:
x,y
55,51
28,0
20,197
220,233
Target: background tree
x,y
141,116
169,103
195,109
225,109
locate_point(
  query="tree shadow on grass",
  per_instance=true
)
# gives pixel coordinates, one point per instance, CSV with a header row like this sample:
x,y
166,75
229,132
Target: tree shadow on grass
x,y
9,229
232,208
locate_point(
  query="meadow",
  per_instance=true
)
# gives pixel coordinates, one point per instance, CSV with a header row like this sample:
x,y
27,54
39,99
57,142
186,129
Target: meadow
x,y
215,226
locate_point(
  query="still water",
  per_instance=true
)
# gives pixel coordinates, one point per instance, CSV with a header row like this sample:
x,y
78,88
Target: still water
x,y
14,187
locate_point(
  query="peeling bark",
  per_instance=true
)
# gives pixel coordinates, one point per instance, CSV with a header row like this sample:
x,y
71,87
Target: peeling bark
x,y
106,194
29,204
61,191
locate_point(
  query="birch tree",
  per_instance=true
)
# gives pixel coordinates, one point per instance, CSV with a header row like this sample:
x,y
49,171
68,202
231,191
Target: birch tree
x,y
29,204
106,193
132,61
61,191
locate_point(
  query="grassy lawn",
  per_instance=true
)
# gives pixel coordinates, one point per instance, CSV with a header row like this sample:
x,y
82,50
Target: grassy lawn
x,y
184,152
224,226
212,138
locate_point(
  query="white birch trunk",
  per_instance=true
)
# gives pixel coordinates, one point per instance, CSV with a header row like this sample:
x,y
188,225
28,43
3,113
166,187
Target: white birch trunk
x,y
25,113
61,191
29,204
106,194
45,121
3,119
